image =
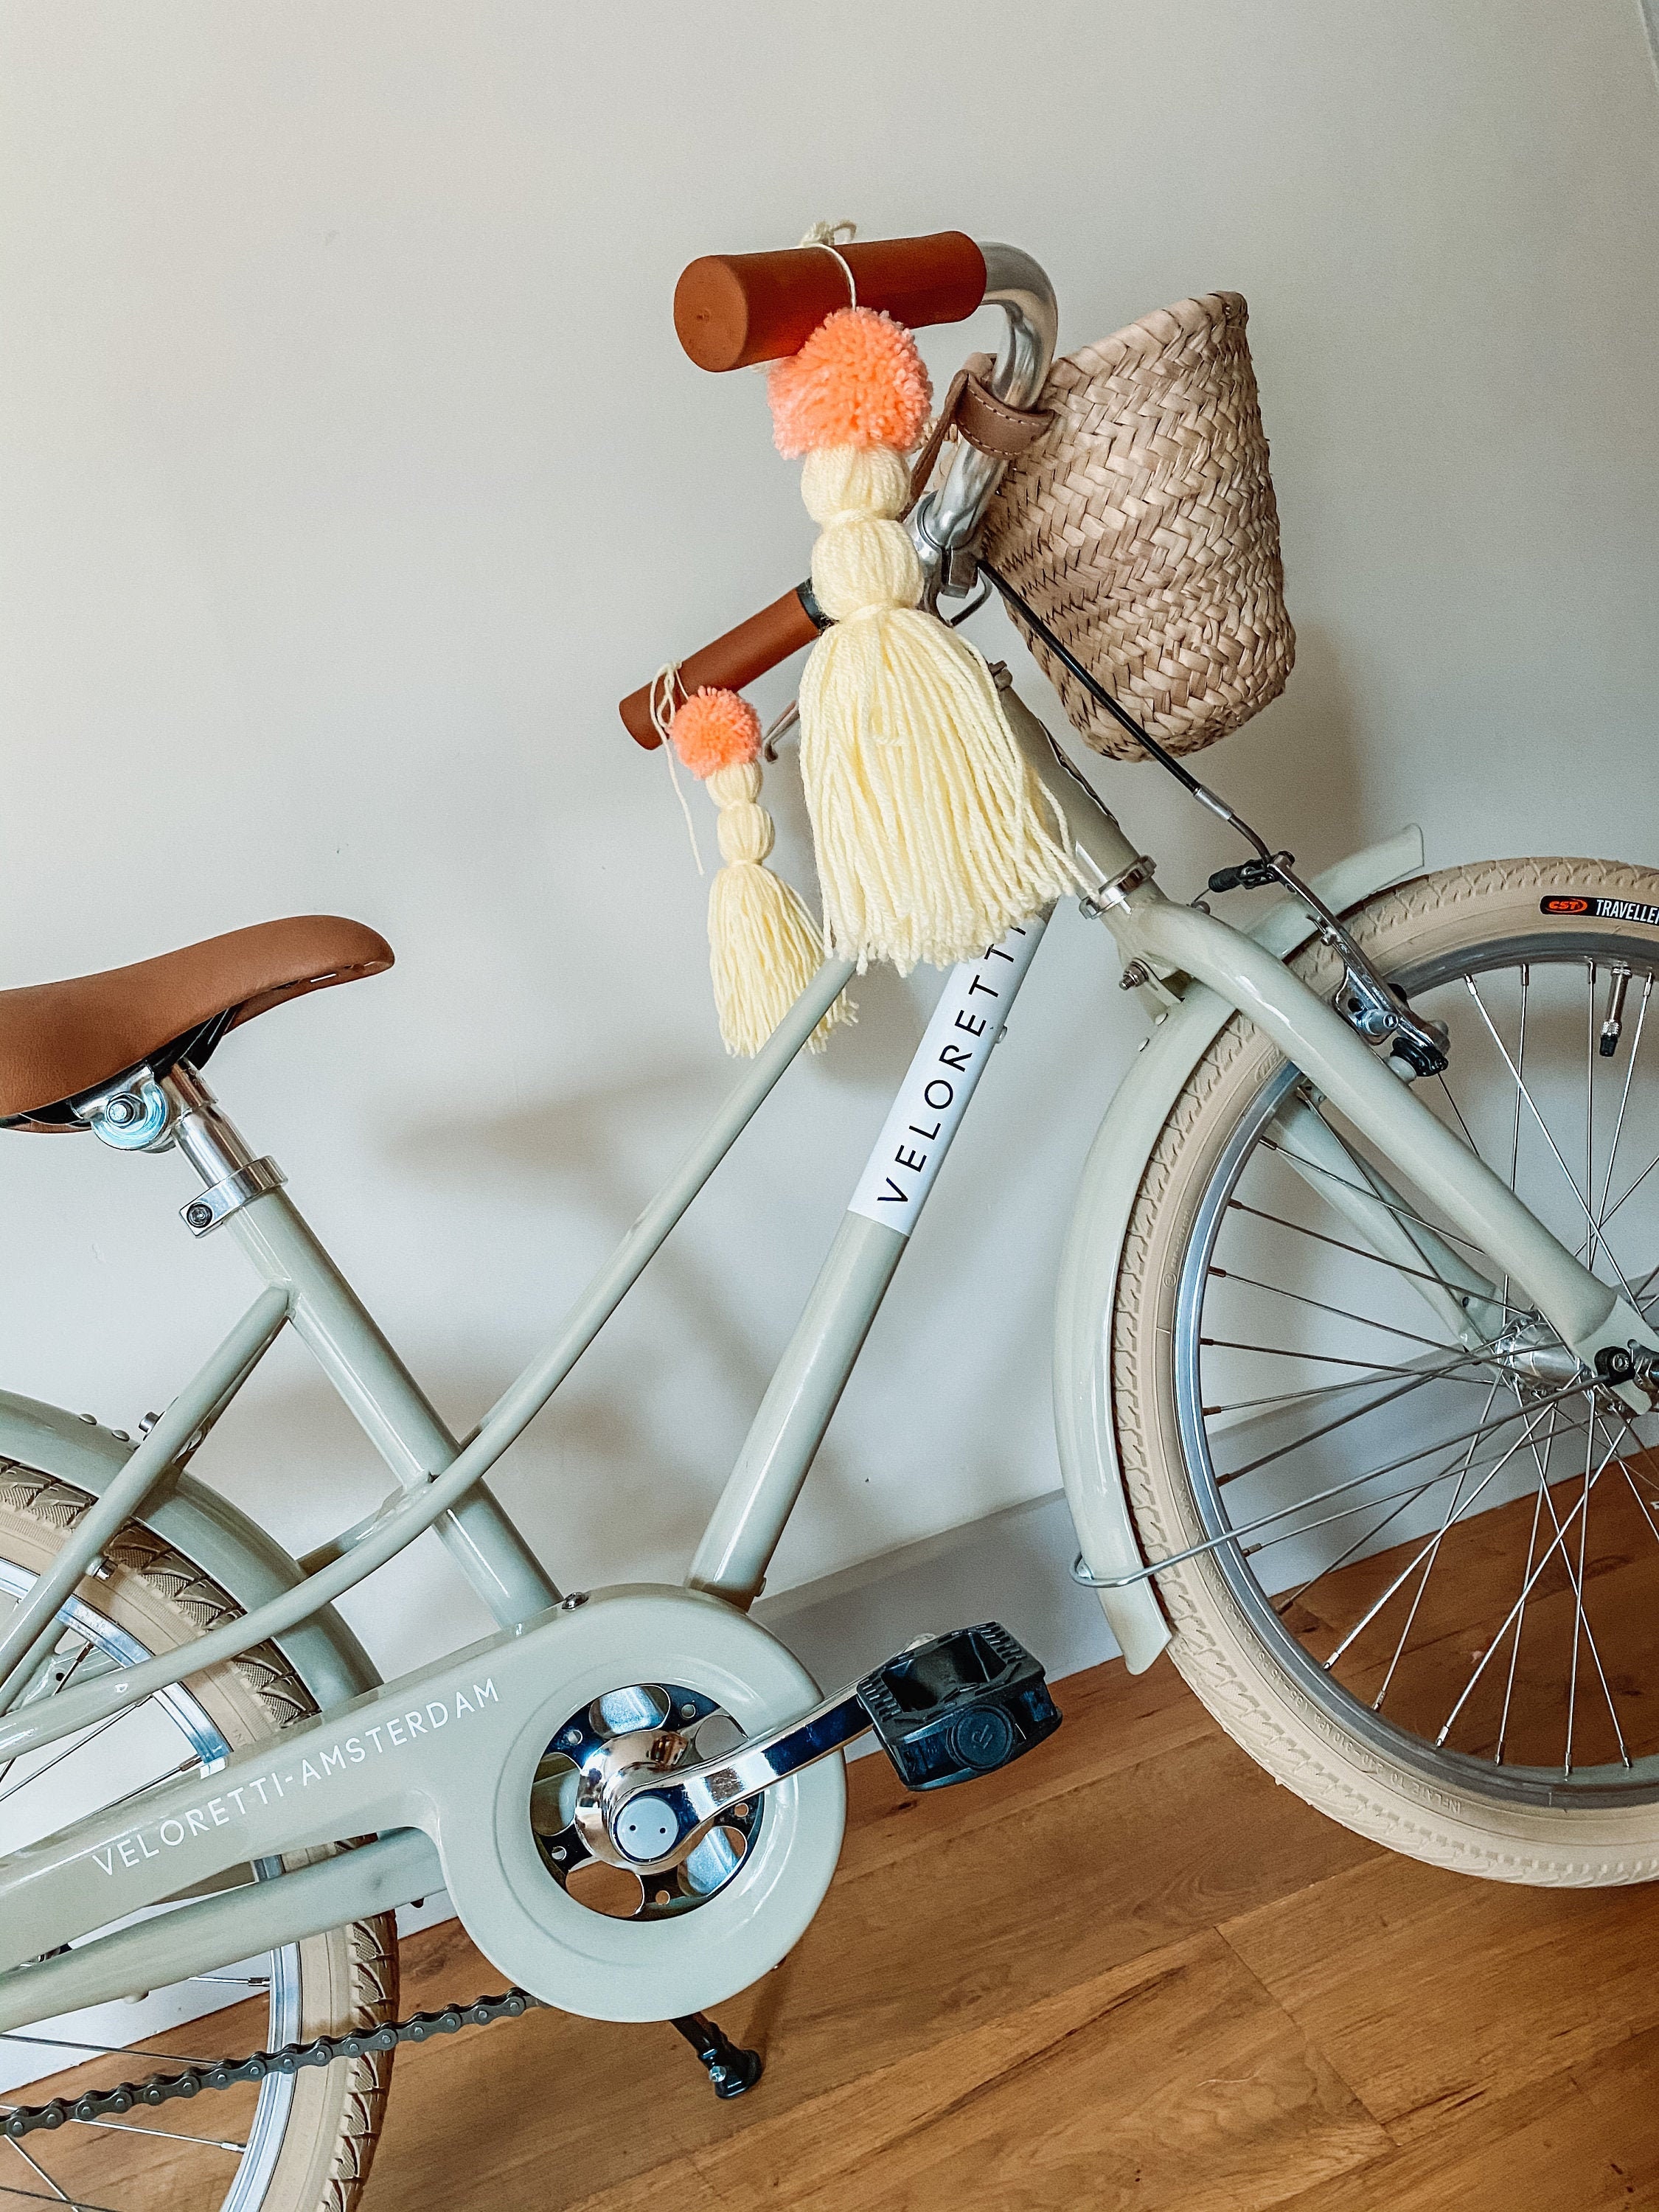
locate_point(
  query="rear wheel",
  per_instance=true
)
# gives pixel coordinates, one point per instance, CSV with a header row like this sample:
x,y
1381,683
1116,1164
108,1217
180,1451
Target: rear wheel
x,y
297,2144
1424,1581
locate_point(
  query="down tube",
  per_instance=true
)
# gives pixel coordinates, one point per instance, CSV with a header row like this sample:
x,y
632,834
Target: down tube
x,y
760,1494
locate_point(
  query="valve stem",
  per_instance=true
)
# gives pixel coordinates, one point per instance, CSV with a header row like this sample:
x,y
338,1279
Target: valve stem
x,y
1612,1027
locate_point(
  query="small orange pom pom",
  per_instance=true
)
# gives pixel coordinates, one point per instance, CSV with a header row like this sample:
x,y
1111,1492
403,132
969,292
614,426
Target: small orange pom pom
x,y
716,730
857,380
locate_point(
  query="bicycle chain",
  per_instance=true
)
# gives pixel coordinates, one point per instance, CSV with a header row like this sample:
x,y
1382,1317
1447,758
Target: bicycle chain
x,y
225,2073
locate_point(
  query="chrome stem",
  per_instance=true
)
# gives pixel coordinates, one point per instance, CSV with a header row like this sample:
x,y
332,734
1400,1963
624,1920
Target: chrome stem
x,y
944,520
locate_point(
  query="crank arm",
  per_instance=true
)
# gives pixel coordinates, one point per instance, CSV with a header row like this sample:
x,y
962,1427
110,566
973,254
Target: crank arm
x,y
947,1709
655,1822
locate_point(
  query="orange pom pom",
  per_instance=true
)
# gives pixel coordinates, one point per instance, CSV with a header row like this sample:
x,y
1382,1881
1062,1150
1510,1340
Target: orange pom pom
x,y
716,730
857,380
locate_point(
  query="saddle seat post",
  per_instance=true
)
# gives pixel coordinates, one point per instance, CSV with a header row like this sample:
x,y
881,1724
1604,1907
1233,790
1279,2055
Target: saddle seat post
x,y
231,1177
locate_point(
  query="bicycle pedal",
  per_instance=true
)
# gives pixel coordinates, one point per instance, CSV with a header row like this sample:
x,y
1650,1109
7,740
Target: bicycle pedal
x,y
959,1706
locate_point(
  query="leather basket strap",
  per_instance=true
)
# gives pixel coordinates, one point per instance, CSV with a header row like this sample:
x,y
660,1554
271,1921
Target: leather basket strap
x,y
974,413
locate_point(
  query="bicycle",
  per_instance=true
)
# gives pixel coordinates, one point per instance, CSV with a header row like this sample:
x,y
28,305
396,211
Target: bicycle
x,y
1347,1359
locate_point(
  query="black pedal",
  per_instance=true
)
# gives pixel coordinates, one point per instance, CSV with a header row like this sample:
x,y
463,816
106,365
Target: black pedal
x,y
959,1706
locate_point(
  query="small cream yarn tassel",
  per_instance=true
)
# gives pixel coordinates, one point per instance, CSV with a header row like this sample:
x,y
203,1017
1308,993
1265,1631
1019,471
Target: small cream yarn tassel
x,y
764,949
933,839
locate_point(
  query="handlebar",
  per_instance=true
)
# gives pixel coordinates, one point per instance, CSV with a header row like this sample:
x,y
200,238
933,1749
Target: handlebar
x,y
732,660
764,321
733,309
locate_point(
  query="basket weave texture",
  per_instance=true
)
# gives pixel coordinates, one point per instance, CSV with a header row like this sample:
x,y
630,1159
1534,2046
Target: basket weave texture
x,y
1142,528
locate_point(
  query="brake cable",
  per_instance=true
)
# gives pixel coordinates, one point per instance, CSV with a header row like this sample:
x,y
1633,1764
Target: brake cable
x,y
1366,999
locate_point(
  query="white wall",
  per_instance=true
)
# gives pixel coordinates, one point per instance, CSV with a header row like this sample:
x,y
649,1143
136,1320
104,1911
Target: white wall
x,y
348,472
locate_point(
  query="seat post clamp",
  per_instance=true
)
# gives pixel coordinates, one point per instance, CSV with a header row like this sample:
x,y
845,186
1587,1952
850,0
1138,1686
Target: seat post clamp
x,y
229,1195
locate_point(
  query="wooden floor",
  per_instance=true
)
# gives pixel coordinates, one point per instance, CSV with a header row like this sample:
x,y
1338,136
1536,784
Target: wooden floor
x,y
1128,1972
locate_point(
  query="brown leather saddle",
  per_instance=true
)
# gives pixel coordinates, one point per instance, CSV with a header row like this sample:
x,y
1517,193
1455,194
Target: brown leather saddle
x,y
60,1042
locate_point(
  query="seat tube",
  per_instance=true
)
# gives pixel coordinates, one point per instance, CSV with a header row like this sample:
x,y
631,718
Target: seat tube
x,y
349,1347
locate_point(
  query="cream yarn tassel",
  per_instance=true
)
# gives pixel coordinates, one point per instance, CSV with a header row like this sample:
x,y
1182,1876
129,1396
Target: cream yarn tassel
x,y
933,836
764,949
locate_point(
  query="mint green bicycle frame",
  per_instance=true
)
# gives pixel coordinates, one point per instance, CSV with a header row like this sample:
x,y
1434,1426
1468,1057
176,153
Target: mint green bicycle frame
x,y
400,1761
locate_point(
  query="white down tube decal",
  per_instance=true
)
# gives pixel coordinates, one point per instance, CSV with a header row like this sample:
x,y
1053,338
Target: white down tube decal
x,y
940,1081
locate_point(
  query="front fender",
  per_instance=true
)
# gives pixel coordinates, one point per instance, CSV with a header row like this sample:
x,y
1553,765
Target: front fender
x,y
209,1531
1089,1264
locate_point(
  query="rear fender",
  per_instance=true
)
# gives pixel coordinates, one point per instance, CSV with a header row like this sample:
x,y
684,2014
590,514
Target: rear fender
x,y
210,1532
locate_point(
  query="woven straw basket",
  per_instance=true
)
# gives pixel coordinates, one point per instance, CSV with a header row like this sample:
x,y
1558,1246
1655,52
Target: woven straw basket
x,y
1142,529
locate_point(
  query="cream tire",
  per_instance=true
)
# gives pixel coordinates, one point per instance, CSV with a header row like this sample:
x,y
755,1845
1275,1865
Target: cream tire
x,y
1222,1652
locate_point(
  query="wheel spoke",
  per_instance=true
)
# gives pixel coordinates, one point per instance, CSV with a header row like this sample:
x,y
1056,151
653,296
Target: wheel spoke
x,y
1577,1592
1377,1259
1641,1502
1468,1134
1340,1490
1346,1420
1431,1553
1228,1274
77,1743
162,2135
1316,1389
1409,1493
1630,1193
1521,1076
1557,1543
51,2194
56,2196
62,1684
100,2050
1326,1358
1392,1206
1526,1584
1581,1620
35,2166
1624,1101
1432,1544
1589,1105
1544,1130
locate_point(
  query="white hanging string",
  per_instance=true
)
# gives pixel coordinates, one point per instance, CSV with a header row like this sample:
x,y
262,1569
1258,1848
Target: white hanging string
x,y
828,235
664,685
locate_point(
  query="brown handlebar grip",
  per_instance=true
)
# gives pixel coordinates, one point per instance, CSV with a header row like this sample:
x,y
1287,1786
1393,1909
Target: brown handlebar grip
x,y
731,309
730,661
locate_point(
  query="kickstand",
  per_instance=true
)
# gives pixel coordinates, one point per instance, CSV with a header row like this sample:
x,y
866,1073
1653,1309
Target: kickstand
x,y
731,2070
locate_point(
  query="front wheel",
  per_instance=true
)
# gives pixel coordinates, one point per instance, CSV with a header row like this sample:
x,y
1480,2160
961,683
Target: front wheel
x,y
1415,1550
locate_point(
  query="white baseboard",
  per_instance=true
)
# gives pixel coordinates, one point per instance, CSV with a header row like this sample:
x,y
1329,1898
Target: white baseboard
x,y
1012,1566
